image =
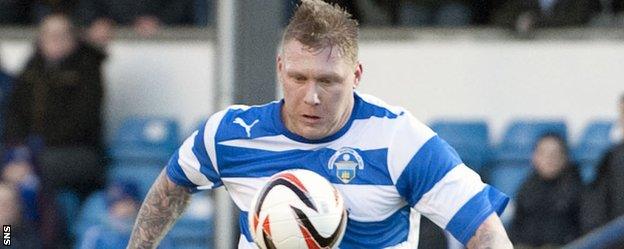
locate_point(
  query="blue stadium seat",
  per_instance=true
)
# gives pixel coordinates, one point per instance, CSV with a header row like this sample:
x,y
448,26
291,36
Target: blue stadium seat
x,y
145,139
68,203
195,229
595,140
469,138
143,175
92,212
521,135
508,177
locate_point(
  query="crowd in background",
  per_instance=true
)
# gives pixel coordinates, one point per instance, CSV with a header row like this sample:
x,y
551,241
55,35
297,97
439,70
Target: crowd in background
x,y
52,112
148,15
52,126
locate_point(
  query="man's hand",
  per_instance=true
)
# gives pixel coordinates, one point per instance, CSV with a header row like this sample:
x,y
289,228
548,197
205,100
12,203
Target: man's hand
x,y
163,205
491,234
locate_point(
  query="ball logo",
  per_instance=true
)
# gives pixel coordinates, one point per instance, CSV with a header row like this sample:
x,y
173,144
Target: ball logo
x,y
346,161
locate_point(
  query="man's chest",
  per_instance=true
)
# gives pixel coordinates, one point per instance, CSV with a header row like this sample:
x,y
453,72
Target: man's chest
x,y
361,176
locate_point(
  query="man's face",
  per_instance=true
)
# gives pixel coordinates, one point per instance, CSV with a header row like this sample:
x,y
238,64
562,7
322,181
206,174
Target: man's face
x,y
549,158
126,208
318,89
56,40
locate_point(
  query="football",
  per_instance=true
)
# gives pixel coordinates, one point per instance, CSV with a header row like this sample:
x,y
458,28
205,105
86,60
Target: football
x,y
297,209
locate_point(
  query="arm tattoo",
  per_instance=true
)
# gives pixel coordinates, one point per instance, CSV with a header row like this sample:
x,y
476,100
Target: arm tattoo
x,y
163,205
490,235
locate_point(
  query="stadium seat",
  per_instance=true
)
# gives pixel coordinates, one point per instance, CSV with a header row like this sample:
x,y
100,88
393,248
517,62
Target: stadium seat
x,y
508,177
68,203
92,212
145,139
594,141
469,138
520,138
142,174
195,228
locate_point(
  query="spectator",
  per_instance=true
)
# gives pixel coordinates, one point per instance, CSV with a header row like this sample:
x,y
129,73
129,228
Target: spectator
x,y
23,234
58,99
603,201
123,202
431,235
547,204
55,111
526,15
18,172
146,16
611,13
15,12
446,13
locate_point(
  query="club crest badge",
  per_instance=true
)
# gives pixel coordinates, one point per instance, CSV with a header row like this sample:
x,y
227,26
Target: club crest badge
x,y
346,161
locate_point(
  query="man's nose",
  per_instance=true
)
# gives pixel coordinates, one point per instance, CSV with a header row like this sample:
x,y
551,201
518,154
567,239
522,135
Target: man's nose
x,y
311,96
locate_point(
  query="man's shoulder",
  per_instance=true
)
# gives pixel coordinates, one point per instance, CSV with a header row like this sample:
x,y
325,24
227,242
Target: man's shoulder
x,y
372,106
397,127
243,121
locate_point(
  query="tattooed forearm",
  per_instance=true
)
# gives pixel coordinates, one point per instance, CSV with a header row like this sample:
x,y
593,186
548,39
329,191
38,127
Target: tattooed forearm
x,y
164,203
490,235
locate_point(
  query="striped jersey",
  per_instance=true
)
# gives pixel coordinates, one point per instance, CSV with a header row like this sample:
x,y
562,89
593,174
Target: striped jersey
x,y
389,167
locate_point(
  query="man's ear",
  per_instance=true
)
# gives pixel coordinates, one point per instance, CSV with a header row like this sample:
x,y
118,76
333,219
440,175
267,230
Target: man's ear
x,y
279,67
359,70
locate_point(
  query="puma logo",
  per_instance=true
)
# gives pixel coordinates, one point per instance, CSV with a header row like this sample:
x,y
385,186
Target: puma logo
x,y
247,127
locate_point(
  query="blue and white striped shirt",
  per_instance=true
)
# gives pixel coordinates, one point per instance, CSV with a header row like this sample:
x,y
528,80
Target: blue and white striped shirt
x,y
389,167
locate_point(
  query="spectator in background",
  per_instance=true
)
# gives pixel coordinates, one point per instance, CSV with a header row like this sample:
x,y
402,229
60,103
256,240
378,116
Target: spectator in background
x,y
526,15
55,112
15,12
17,171
547,204
603,201
123,202
440,13
58,100
611,13
23,234
146,16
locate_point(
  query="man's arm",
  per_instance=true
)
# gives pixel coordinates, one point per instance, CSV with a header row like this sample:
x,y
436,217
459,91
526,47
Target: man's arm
x,y
164,203
490,234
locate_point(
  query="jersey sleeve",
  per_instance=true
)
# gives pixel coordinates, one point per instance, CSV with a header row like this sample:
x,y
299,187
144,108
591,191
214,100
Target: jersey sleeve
x,y
431,177
193,165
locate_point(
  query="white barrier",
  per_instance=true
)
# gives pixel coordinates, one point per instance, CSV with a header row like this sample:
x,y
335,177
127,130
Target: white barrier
x,y
497,80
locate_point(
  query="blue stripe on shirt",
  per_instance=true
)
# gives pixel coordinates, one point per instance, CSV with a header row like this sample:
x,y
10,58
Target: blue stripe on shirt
x,y
206,167
175,173
430,164
246,162
465,222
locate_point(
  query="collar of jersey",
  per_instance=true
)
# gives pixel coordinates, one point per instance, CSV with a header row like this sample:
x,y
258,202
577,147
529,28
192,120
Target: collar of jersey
x,y
279,125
